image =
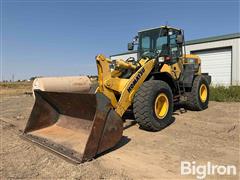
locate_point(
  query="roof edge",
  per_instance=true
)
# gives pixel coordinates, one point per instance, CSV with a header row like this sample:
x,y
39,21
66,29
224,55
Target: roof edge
x,y
214,38
124,53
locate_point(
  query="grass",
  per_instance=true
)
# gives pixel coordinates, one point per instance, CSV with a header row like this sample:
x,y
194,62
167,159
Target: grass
x,y
225,94
15,88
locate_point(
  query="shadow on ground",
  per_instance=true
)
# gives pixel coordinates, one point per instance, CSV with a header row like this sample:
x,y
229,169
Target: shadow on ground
x,y
129,121
124,140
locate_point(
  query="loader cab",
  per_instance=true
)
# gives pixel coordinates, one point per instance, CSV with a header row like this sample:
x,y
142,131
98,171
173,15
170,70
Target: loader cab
x,y
164,43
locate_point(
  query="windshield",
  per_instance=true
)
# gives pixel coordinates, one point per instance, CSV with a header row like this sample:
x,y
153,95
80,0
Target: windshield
x,y
152,42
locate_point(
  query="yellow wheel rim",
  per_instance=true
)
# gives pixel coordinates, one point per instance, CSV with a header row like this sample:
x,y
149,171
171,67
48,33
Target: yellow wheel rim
x,y
203,92
161,106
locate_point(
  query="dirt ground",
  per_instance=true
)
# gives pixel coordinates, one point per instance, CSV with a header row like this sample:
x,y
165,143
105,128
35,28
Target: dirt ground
x,y
210,135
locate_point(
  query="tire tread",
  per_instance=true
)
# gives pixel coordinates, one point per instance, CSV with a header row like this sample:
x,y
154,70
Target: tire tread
x,y
141,106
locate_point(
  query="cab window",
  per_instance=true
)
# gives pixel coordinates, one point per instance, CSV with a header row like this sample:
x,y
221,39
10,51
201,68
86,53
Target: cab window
x,y
146,42
160,42
175,49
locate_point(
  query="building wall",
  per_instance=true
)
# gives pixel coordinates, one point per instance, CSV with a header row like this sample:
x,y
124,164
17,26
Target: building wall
x,y
234,43
124,56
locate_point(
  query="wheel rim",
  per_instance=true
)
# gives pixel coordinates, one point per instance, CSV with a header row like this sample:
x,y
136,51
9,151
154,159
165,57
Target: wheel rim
x,y
203,93
161,106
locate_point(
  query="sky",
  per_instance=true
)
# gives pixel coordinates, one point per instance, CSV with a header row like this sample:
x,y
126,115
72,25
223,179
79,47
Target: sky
x,y
62,38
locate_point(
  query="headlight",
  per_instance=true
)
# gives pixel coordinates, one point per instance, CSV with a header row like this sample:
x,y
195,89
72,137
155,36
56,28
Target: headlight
x,y
161,59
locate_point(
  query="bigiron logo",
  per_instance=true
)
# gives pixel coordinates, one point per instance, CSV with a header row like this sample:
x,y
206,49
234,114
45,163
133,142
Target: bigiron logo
x,y
136,80
201,171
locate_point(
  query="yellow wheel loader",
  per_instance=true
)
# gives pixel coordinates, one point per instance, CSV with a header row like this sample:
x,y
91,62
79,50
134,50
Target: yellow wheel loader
x,y
82,125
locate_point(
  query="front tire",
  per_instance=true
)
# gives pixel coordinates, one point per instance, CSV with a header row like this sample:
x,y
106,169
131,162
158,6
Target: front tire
x,y
153,105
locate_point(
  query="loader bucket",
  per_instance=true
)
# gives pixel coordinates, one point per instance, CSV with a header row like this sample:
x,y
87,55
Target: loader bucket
x,y
76,126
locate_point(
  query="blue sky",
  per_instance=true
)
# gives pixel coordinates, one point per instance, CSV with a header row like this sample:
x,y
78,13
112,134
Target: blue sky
x,y
52,38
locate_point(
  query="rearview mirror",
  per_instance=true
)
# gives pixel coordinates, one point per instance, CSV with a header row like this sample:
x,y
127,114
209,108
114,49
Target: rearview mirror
x,y
130,46
179,39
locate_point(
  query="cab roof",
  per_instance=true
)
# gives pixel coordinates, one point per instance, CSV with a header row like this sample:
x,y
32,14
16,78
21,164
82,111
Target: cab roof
x,y
169,27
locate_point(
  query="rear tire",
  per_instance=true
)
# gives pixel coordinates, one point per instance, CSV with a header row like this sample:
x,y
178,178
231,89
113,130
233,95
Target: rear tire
x,y
148,113
196,99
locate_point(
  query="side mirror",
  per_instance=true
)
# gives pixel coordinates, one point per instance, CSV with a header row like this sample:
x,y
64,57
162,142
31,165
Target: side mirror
x,y
130,46
179,39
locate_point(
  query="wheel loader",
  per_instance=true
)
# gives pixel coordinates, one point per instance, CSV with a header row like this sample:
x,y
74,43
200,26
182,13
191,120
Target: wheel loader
x,y
81,125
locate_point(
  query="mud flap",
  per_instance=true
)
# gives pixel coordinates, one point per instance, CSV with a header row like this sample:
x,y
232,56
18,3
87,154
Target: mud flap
x,y
76,126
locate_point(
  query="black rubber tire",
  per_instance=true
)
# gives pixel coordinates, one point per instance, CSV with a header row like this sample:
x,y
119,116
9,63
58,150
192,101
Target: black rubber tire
x,y
143,105
193,99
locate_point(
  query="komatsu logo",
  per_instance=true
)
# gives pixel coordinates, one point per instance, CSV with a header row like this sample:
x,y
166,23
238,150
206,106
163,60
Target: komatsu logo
x,y
136,80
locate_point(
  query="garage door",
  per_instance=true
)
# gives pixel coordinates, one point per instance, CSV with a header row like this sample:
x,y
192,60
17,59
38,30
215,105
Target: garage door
x,y
218,64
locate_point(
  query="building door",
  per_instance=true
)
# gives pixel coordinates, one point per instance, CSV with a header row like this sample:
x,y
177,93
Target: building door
x,y
218,63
